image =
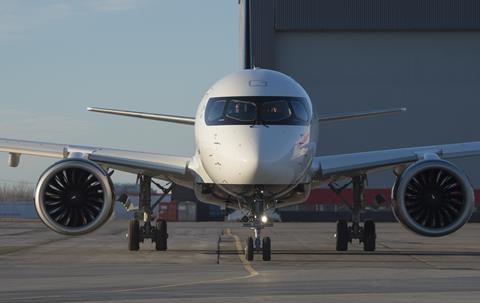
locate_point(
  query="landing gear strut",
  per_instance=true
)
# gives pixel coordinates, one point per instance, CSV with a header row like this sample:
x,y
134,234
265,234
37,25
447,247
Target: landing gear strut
x,y
345,232
156,232
257,222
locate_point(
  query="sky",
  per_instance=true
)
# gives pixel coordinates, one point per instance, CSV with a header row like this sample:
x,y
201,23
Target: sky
x,y
58,57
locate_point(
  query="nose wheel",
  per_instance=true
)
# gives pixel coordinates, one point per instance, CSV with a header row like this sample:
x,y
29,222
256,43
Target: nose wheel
x,y
258,244
265,249
258,221
249,249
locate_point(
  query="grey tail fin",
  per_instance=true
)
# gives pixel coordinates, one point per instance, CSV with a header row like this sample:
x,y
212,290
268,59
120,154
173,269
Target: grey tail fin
x,y
246,26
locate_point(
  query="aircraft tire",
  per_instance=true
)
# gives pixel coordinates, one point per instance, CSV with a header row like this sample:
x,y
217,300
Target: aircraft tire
x,y
267,249
161,236
249,249
369,236
133,235
342,235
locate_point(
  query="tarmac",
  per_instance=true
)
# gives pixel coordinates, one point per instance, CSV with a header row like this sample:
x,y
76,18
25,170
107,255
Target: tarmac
x,y
205,263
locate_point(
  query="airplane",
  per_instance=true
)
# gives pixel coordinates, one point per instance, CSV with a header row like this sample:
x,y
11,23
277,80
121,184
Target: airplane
x,y
255,152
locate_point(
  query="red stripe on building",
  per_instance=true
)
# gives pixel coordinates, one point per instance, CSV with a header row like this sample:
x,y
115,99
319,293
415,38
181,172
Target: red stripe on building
x,y
327,196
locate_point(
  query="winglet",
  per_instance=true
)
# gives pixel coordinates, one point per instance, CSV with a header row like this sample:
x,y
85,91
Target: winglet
x,y
359,115
150,116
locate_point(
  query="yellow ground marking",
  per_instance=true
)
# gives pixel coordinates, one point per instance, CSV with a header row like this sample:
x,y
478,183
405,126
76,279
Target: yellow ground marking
x,y
246,265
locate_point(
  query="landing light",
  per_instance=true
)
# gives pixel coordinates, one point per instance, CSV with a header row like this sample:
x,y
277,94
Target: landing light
x,y
264,219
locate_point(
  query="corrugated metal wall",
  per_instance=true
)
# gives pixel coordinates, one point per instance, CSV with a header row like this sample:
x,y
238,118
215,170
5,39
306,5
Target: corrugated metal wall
x,y
272,16
377,15
433,68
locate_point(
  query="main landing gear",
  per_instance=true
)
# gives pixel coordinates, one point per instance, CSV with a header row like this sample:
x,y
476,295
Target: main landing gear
x,y
366,234
142,227
258,221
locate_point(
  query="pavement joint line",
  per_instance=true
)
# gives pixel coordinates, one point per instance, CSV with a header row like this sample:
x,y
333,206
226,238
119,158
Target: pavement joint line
x,y
31,298
25,232
173,285
43,243
33,246
412,256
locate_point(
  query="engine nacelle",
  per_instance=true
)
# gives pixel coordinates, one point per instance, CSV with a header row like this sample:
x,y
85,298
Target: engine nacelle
x,y
433,198
74,197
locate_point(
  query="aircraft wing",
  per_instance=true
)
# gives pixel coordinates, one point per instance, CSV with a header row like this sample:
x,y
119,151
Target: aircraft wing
x,y
150,164
347,165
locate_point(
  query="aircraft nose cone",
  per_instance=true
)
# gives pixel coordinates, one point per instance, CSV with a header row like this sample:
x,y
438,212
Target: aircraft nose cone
x,y
261,155
278,158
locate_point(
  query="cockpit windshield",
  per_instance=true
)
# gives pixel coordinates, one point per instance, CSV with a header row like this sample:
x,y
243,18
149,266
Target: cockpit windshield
x,y
274,111
242,111
252,110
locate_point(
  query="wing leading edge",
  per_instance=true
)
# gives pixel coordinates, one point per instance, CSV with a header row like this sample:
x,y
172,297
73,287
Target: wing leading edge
x,y
346,165
150,164
360,115
150,116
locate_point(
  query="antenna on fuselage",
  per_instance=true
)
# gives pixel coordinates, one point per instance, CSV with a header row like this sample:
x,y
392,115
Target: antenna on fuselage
x,y
248,60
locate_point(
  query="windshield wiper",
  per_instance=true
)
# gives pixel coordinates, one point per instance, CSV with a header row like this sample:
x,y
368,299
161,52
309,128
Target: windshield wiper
x,y
256,122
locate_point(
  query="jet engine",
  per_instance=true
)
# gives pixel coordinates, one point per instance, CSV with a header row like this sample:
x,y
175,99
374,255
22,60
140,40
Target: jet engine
x,y
74,197
432,198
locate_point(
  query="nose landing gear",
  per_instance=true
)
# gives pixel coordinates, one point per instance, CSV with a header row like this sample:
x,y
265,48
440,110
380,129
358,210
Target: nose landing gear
x,y
257,244
258,221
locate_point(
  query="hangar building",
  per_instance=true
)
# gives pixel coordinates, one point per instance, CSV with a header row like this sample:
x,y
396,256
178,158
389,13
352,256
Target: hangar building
x,y
356,55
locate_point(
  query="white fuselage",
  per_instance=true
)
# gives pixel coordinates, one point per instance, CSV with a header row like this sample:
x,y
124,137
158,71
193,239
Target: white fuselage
x,y
254,153
240,154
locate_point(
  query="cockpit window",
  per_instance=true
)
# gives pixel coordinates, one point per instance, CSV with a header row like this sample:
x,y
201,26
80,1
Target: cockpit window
x,y
215,111
243,111
300,110
274,111
258,110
